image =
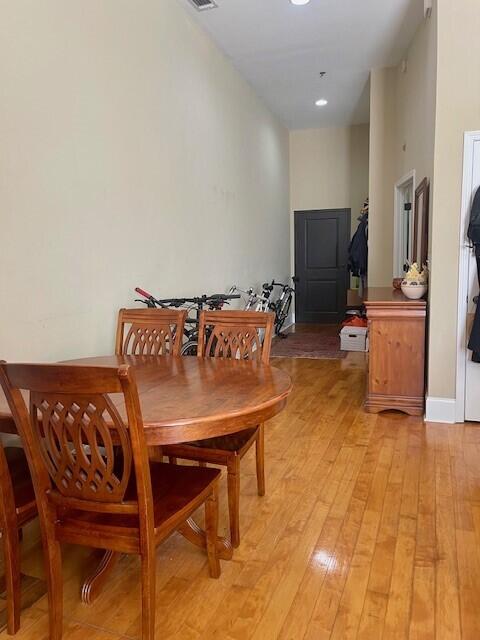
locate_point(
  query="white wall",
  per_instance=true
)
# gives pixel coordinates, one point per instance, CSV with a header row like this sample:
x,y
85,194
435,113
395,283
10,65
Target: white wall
x,y
458,110
415,96
382,177
329,168
402,136
132,153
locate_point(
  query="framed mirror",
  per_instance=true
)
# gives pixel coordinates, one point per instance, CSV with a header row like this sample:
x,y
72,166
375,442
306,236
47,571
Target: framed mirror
x,y
420,235
403,224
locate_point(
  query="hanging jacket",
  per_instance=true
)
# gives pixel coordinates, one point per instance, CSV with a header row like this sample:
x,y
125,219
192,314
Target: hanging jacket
x,y
473,232
474,236
358,249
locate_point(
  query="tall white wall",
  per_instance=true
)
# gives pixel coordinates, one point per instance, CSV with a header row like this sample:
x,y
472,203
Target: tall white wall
x,y
458,110
131,153
402,137
329,168
382,177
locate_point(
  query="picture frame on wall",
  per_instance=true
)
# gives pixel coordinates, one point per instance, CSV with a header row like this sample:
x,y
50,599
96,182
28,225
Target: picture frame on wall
x,y
420,236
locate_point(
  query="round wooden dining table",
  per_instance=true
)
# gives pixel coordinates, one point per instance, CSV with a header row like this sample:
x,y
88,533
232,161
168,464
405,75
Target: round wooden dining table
x,y
189,398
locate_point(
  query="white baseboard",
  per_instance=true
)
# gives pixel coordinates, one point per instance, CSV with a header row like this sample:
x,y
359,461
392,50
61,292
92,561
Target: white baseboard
x,y
441,410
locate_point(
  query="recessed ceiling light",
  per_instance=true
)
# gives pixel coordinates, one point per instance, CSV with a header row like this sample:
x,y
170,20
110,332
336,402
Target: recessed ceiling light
x,y
321,103
299,2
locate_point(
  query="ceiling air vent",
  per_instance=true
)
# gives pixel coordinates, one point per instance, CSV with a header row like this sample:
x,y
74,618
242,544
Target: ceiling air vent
x,y
202,5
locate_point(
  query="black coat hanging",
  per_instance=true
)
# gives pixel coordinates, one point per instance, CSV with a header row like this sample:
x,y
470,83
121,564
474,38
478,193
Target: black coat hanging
x,y
474,236
358,249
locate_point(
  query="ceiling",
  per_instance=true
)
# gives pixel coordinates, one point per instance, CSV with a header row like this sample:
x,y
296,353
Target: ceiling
x,y
281,49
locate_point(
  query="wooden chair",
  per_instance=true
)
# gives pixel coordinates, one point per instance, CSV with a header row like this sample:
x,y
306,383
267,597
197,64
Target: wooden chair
x,y
151,332
93,482
231,334
17,508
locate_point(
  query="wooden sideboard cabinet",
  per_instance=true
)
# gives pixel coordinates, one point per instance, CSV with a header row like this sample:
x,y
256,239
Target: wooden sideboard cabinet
x,y
396,371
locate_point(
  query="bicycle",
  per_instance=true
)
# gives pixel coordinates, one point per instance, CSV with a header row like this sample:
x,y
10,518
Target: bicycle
x,y
281,306
214,302
254,301
262,302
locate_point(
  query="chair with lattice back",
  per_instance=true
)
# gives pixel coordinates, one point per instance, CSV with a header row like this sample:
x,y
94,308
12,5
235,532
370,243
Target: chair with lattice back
x,y
93,481
150,332
241,335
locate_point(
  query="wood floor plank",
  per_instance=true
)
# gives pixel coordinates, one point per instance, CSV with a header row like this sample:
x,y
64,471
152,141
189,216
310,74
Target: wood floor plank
x,y
386,505
331,592
323,558
337,480
422,622
348,618
397,618
447,597
466,546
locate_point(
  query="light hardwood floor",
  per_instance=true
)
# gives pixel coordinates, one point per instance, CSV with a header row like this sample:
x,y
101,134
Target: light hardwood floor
x,y
370,529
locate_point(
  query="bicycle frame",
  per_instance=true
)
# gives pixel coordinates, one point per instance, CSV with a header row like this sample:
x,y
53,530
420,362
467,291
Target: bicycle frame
x,y
281,306
254,301
262,301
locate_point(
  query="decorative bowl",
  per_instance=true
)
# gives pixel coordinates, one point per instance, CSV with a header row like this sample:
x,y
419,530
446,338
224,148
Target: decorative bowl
x,y
414,290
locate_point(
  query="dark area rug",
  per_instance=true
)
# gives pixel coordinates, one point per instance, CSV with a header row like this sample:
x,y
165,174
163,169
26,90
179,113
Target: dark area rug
x,y
308,345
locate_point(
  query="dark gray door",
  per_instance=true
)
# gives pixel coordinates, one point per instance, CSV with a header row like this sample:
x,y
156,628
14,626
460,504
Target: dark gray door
x,y
321,247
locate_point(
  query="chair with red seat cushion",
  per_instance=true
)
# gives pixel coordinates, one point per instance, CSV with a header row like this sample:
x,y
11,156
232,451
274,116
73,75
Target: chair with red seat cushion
x,y
93,480
17,508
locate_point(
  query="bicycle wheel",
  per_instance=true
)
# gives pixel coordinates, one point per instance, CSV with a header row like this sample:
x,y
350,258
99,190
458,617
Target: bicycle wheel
x,y
282,313
189,348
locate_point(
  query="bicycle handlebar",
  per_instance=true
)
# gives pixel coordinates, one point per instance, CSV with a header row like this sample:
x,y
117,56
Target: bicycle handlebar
x,y
224,296
177,302
143,293
269,287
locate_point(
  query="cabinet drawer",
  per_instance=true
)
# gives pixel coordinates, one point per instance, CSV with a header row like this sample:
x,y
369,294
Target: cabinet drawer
x,y
397,349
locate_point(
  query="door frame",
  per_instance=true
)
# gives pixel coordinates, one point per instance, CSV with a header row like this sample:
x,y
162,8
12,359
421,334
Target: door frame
x,y
469,140
410,177
348,213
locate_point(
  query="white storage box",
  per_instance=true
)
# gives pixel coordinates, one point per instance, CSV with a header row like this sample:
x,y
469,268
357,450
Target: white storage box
x,y
354,339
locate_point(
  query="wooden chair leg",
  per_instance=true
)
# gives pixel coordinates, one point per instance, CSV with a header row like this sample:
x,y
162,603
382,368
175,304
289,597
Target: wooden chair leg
x,y
148,594
233,484
53,569
172,460
11,554
260,457
211,531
